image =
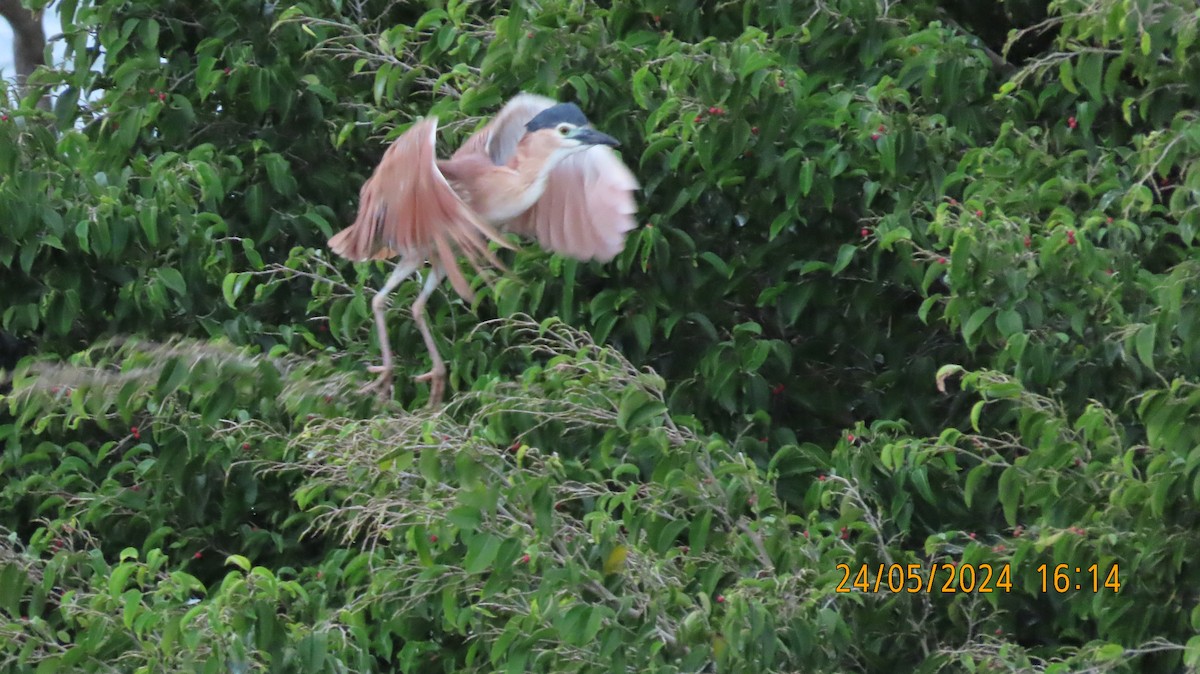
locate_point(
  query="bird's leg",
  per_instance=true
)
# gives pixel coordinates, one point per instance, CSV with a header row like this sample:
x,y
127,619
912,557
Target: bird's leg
x,y
383,385
437,374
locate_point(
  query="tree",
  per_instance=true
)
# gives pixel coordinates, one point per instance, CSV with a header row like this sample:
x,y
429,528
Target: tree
x,y
29,40
908,311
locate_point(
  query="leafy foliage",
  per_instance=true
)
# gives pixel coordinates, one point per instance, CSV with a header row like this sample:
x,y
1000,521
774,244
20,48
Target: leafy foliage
x,y
901,296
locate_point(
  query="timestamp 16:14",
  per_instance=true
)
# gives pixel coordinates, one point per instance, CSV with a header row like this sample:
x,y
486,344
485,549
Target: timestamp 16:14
x,y
1064,578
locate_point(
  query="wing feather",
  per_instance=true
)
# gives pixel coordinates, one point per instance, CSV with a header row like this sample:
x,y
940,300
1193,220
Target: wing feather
x,y
408,207
587,208
498,139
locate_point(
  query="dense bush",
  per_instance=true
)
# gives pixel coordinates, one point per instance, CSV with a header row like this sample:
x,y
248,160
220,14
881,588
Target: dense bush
x,y
915,284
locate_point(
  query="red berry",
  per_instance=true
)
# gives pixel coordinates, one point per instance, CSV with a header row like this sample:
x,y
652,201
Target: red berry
x,y
782,83
320,574
850,437
1018,531
228,70
874,136
714,111
979,214
524,559
698,119
152,90
162,97
198,555
529,34
3,118
941,260
777,389
54,390
998,548
999,631
1071,236
881,128
245,446
820,478
720,599
806,533
136,487
865,232
845,533
953,201
971,535
754,130
1109,272
1071,122
433,538
1028,242
1110,219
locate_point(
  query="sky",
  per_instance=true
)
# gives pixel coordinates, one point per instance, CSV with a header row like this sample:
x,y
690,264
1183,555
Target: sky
x,y
49,22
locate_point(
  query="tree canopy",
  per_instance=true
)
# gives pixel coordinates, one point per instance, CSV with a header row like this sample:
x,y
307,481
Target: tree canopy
x,y
897,373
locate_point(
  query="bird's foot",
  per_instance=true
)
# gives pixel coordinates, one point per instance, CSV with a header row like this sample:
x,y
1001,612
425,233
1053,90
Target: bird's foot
x,y
382,386
437,384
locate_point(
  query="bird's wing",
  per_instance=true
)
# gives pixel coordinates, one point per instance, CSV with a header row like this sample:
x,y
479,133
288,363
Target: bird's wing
x,y
498,140
408,208
587,207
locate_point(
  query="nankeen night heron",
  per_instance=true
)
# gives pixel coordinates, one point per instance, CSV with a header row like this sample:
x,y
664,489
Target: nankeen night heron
x,y
538,169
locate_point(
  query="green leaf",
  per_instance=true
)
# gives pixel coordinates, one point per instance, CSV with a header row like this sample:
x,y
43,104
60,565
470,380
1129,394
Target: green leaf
x,y
1065,76
120,575
1009,322
637,408
1110,652
1144,343
1191,653
1010,493
1090,70
976,321
844,256
173,280
642,83
174,373
481,552
807,171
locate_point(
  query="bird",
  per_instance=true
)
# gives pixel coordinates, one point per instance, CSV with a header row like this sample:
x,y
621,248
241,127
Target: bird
x,y
538,169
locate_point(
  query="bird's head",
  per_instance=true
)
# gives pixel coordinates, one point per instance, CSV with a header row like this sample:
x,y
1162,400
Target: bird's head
x,y
565,128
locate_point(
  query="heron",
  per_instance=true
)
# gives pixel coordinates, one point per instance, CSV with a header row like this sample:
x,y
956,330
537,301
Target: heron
x,y
538,169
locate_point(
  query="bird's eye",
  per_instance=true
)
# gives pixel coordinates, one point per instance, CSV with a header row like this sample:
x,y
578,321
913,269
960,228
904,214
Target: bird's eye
x,y
563,129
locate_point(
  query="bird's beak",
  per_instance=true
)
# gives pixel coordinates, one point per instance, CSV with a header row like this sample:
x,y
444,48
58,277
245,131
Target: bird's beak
x,y
590,136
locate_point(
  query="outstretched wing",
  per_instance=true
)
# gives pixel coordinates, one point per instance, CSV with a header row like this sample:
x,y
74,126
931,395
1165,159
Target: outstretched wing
x,y
587,207
408,208
498,139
